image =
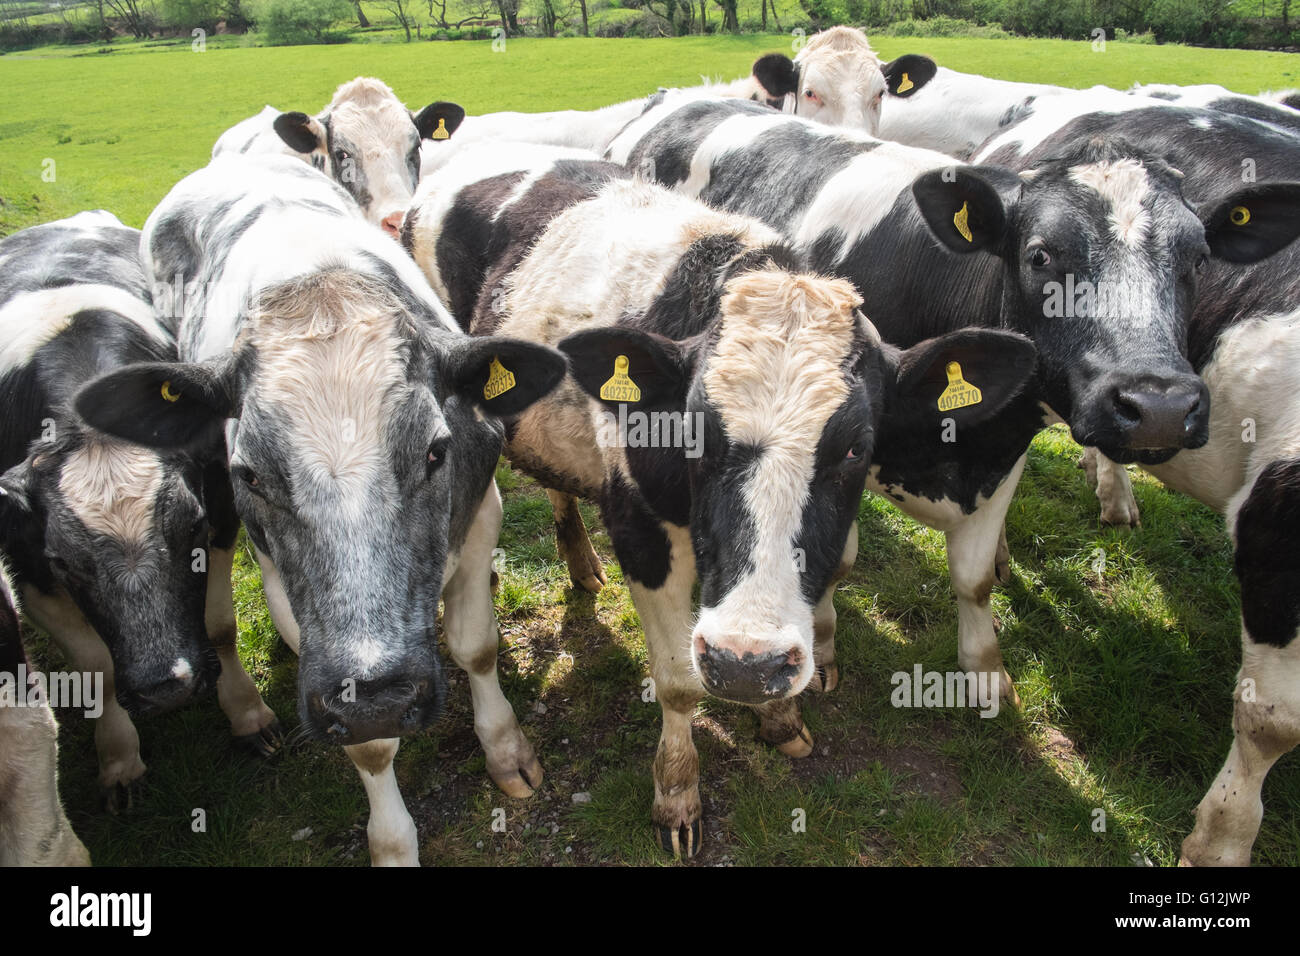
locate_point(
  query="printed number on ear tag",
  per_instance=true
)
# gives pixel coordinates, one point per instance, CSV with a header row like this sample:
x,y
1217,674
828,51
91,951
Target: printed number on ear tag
x,y
906,85
167,393
959,392
441,131
500,379
961,221
620,388
1239,216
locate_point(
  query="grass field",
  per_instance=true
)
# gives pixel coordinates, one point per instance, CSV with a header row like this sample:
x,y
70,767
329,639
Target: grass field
x,y
1125,675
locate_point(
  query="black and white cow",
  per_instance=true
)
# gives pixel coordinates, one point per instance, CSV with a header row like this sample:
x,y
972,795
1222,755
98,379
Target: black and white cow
x,y
111,543
361,446
1265,108
835,78
760,393
1244,340
933,246
34,830
365,140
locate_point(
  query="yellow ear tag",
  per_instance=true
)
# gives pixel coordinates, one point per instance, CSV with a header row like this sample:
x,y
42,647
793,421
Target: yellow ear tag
x,y
959,221
620,388
959,392
441,131
906,85
167,393
1240,215
500,379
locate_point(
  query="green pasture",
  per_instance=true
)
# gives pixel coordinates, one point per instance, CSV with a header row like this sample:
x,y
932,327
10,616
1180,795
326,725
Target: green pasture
x,y
1125,667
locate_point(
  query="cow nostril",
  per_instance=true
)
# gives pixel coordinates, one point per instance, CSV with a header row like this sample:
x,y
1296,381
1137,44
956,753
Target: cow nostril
x,y
1126,410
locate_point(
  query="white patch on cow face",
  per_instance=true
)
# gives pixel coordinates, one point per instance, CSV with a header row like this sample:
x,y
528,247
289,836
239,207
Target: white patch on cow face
x,y
1123,184
372,120
840,80
775,377
182,670
112,487
31,319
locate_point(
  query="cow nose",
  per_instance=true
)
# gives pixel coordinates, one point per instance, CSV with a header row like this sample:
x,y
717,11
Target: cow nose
x,y
736,670
387,707
165,695
1156,414
392,223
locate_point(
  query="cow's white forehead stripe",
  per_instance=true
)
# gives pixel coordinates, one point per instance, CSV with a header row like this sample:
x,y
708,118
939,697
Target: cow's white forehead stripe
x,y
112,487
1123,184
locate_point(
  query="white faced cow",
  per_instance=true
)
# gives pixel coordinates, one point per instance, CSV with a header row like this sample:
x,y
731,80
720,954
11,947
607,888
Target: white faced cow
x,y
365,140
1244,339
361,437
723,407
34,830
121,552
932,246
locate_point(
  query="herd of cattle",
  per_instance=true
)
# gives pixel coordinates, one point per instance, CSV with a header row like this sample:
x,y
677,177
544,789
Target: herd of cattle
x,y
829,269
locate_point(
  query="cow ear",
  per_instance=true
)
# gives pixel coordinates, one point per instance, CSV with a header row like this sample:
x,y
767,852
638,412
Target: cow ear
x,y
503,375
162,404
969,375
776,73
1253,223
908,73
626,366
968,207
439,120
301,132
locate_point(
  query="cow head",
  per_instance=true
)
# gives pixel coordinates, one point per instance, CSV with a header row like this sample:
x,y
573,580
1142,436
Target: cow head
x,y
837,79
362,441
789,389
1100,256
369,143
122,529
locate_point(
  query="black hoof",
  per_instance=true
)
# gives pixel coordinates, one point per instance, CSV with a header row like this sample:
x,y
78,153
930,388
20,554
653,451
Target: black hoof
x,y
119,798
267,742
682,841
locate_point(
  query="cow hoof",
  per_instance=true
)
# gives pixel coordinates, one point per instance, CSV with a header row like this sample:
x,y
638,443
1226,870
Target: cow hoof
x,y
800,745
1122,516
682,841
266,742
590,578
521,782
119,798
825,678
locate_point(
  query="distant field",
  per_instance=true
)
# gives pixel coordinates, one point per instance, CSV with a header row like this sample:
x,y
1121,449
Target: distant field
x,y
1125,675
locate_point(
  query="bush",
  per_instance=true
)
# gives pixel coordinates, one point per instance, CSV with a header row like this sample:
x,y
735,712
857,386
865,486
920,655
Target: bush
x,y
942,27
288,22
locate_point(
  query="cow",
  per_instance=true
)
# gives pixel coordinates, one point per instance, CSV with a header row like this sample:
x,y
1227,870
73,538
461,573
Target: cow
x,y
361,439
1266,108
835,78
933,245
111,543
34,830
767,393
1244,340
364,139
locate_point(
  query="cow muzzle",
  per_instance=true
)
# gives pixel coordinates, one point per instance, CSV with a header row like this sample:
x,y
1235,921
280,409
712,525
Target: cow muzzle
x,y
1149,418
161,691
355,711
749,670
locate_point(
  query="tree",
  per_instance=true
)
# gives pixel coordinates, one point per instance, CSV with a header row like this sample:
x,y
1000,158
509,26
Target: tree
x,y
582,5
730,21
361,15
401,9
509,11
134,16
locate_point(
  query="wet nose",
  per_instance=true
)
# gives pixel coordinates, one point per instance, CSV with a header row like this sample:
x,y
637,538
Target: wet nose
x,y
369,710
1161,413
167,694
746,672
392,223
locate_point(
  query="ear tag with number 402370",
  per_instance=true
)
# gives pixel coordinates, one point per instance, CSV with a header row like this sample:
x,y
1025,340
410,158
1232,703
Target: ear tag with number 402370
x,y
620,388
959,392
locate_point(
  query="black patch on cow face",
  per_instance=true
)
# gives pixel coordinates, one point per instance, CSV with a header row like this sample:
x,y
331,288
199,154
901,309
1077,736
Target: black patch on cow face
x,y
1267,560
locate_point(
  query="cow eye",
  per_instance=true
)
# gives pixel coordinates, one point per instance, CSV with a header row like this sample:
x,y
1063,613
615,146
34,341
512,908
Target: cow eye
x,y
1202,261
434,457
1039,259
248,478
341,155
810,94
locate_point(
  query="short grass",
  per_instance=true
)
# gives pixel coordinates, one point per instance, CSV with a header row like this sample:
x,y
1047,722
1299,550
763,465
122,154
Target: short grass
x,y
1126,674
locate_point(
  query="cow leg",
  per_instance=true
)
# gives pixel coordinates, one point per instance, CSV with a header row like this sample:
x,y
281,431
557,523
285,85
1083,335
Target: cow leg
x,y
573,544
1266,724
667,616
1002,560
251,721
1114,489
972,550
826,677
390,829
470,627
116,741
